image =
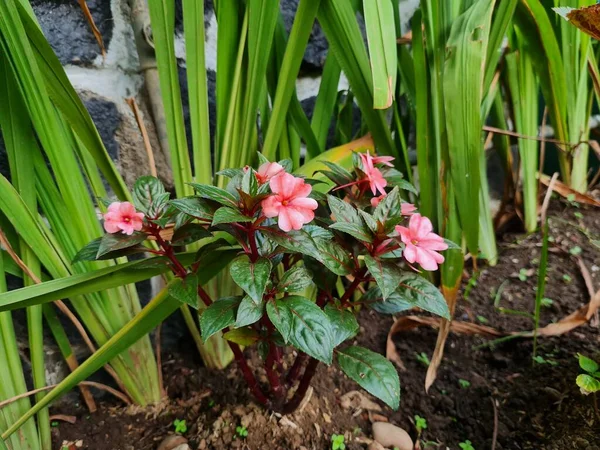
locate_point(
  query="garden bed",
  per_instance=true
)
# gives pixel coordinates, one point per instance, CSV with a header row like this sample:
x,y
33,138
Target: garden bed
x,y
503,397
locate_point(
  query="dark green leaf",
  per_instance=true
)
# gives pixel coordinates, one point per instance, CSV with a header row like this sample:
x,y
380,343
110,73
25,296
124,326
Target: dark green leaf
x,y
387,275
118,241
210,248
230,173
343,322
249,312
393,305
185,290
252,277
295,280
89,252
194,206
395,178
416,289
389,207
219,315
249,182
337,173
324,279
214,193
369,220
372,372
304,325
150,196
343,211
189,233
360,232
226,214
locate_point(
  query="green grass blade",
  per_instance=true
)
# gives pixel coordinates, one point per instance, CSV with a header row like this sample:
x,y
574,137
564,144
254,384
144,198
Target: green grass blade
x,y
162,15
338,19
65,98
193,27
463,85
381,35
326,100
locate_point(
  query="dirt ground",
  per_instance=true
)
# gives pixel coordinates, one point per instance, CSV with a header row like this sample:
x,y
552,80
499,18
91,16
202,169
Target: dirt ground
x,y
494,395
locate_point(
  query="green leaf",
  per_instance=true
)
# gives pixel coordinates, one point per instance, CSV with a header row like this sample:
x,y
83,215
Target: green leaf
x,y
118,241
295,280
387,275
416,289
194,206
252,277
588,384
324,279
452,245
249,182
110,277
333,256
392,305
381,35
219,315
389,208
587,364
185,290
304,325
372,372
226,214
89,252
249,312
343,323
150,196
242,336
348,219
190,233
214,193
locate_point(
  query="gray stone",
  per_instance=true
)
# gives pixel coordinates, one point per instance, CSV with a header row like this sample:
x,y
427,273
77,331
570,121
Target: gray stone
x,y
69,33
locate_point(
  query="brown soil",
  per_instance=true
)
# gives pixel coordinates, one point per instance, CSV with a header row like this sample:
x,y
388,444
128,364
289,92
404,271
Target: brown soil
x,y
538,405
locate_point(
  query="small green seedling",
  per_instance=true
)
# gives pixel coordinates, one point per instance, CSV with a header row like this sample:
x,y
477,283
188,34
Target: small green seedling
x,y
541,360
466,445
482,319
578,215
575,250
241,431
588,382
180,426
567,278
420,424
211,403
54,424
338,442
523,274
423,358
464,383
547,302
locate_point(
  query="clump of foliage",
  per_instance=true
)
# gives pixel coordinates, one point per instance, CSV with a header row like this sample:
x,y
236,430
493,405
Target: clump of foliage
x,y
338,442
304,248
241,431
180,426
467,445
588,382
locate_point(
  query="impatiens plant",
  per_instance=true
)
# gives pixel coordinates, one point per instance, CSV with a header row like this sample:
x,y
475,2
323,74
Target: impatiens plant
x,y
308,254
308,261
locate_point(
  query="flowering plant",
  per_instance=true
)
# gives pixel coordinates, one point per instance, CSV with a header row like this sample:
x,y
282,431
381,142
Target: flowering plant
x,y
311,254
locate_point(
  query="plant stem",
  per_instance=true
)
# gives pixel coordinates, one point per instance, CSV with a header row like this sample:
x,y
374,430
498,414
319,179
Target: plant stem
x,y
295,401
272,375
248,375
358,278
294,372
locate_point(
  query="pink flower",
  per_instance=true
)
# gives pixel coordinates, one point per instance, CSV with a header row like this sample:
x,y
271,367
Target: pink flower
x,y
123,217
385,160
422,245
407,209
289,202
374,175
376,200
267,171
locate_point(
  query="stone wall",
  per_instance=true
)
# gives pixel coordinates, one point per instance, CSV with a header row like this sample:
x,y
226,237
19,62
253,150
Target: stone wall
x,y
105,83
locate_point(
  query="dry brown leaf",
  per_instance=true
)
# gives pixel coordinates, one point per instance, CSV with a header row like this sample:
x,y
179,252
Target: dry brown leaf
x,y
565,191
92,24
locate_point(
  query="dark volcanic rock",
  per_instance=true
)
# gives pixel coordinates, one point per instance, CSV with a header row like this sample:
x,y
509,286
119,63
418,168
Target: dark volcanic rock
x,y
107,119
67,30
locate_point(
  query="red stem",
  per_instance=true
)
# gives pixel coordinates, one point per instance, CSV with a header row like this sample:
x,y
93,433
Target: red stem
x,y
295,371
272,375
299,395
248,375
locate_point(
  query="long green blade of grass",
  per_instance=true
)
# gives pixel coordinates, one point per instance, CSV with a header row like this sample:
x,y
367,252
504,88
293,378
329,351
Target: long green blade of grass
x,y
162,15
193,27
381,35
